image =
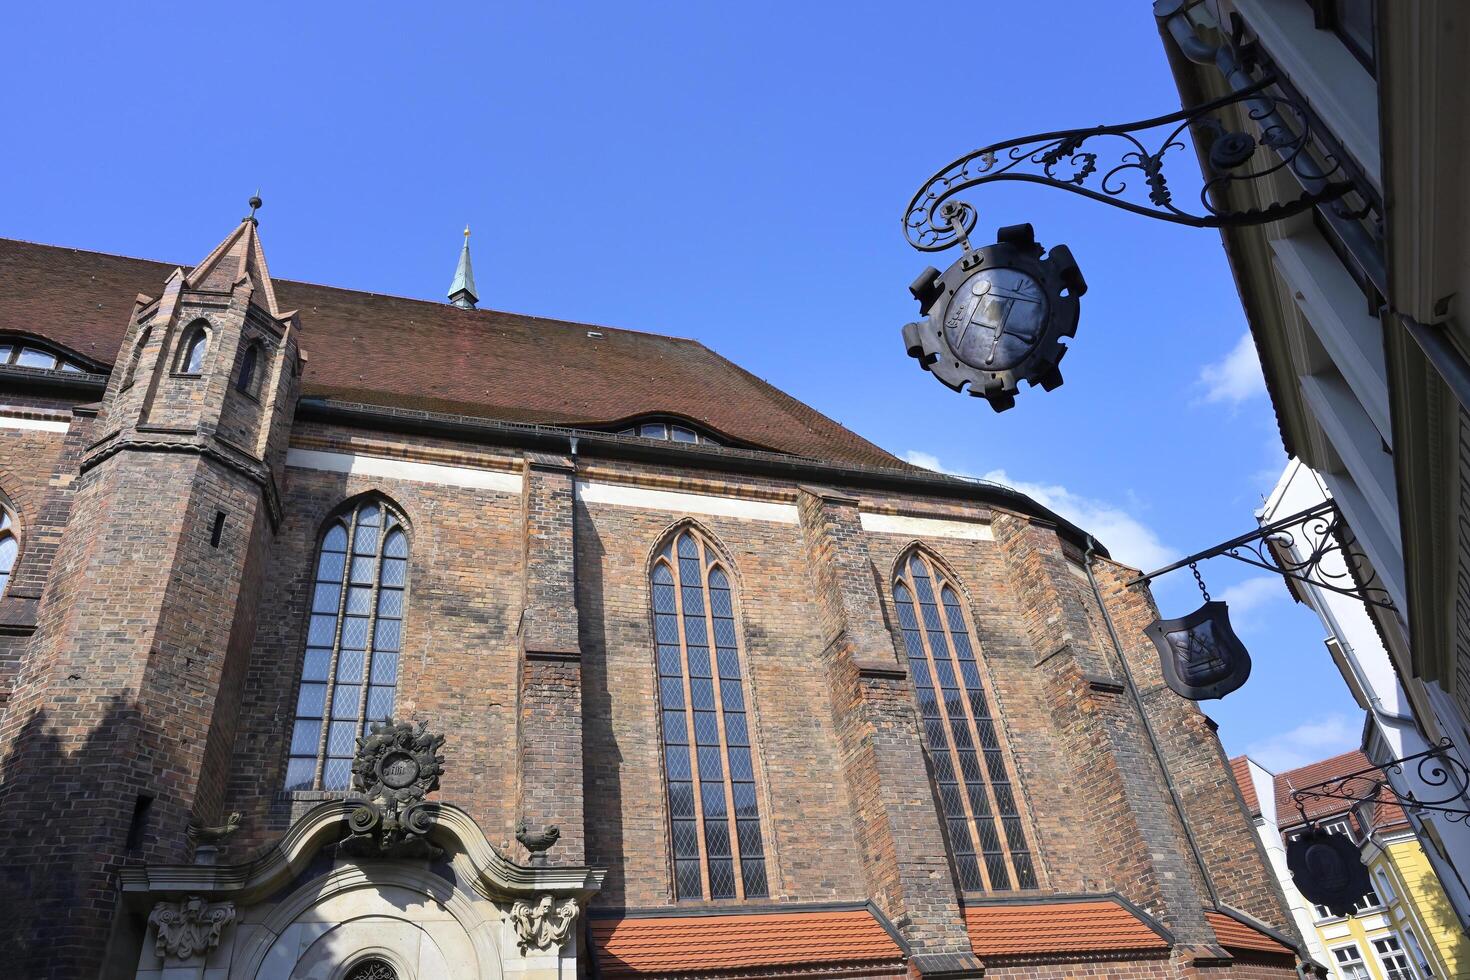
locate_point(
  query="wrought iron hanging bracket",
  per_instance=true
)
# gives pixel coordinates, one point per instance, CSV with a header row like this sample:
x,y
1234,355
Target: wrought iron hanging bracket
x,y
1271,547
1102,163
1434,767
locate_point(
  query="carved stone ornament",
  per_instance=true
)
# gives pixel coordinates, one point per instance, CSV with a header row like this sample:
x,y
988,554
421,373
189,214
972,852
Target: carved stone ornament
x,y
189,927
396,766
542,926
537,843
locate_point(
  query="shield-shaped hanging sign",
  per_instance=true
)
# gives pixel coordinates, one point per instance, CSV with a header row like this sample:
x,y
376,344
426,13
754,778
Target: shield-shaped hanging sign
x,y
1202,657
1328,870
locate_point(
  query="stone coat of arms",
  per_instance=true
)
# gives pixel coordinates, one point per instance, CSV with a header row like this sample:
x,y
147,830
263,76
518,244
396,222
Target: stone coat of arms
x,y
396,766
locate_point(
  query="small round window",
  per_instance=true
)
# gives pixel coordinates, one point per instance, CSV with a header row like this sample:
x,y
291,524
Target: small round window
x,y
373,969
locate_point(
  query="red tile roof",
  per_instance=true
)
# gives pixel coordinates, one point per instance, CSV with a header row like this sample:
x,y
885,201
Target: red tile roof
x,y
1042,928
387,350
1241,770
660,945
1235,935
1316,808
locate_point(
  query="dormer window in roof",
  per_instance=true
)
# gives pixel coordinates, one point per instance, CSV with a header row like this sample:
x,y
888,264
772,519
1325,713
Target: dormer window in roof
x,y
669,431
31,354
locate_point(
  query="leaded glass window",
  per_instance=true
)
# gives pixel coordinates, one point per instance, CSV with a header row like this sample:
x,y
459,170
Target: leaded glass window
x,y
349,672
714,821
961,739
9,547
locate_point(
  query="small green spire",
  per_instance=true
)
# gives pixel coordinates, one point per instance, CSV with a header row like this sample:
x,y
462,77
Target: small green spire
x,y
462,290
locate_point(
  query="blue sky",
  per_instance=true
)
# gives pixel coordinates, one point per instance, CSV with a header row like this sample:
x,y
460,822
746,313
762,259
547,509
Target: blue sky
x,y
730,172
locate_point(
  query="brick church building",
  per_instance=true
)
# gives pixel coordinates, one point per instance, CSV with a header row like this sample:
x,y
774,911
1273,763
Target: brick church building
x,y
793,707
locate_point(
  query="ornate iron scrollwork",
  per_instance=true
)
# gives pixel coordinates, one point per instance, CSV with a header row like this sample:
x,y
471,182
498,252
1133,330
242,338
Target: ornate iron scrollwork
x,y
1273,547
1124,165
1435,768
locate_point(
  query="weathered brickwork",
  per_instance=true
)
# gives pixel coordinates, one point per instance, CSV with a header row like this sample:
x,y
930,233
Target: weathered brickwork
x,y
153,637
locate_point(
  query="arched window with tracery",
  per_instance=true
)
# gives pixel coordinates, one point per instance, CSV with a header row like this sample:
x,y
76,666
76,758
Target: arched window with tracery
x,y
373,969
349,672
961,739
9,546
714,820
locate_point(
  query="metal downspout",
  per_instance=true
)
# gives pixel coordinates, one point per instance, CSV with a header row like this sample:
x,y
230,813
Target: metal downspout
x,y
1148,726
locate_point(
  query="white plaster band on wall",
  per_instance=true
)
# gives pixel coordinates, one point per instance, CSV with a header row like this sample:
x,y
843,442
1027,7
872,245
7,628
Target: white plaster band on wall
x,y
357,464
44,425
925,527
685,503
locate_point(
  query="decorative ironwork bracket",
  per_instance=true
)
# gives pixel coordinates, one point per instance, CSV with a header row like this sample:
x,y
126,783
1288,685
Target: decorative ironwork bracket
x,y
1098,163
1433,767
1270,547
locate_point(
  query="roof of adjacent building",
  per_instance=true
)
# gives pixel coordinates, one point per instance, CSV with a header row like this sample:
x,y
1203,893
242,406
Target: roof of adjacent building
x,y
1236,935
1240,768
432,356
656,945
1384,814
1102,925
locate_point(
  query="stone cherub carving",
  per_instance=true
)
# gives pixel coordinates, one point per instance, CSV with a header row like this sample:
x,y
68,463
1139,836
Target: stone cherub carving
x,y
541,926
189,927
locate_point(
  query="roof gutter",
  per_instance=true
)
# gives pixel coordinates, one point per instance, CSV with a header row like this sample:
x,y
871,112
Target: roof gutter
x,y
590,442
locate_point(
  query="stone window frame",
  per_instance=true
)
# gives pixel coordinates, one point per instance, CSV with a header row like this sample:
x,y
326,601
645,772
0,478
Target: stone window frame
x,y
977,869
711,557
9,535
130,373
198,330
345,516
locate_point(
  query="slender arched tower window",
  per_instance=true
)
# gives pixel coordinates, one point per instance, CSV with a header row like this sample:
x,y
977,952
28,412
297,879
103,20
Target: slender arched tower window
x,y
714,821
191,361
9,547
350,670
960,735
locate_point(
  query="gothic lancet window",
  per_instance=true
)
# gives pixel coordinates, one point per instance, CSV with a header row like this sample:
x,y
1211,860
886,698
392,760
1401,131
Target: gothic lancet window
x,y
960,734
9,546
247,382
714,821
350,669
196,343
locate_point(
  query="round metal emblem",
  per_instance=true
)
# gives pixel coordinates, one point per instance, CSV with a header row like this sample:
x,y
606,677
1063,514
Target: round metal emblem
x,y
398,769
995,319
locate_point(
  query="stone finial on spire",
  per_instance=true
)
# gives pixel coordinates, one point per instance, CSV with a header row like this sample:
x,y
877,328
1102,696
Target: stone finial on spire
x,y
462,290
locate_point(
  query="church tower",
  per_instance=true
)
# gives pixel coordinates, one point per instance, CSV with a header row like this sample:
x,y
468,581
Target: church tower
x,y
123,719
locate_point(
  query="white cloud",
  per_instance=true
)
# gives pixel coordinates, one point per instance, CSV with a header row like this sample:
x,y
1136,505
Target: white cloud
x,y
1248,596
1234,378
1309,742
1128,539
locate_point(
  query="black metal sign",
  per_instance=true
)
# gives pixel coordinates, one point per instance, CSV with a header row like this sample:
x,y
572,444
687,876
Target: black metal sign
x,y
1201,656
996,317
1328,870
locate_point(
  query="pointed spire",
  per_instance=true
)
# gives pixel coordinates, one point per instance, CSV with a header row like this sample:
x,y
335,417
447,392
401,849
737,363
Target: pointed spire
x,y
238,257
462,290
